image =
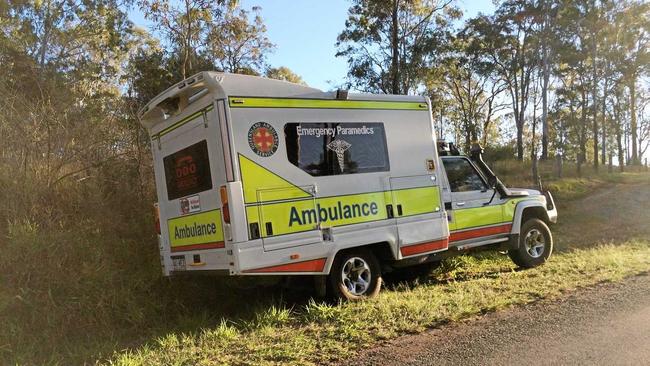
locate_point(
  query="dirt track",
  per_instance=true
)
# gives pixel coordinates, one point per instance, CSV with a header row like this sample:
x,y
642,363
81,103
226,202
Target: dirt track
x,y
605,325
616,213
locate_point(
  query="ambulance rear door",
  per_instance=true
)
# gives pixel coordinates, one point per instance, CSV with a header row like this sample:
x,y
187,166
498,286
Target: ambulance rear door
x,y
190,169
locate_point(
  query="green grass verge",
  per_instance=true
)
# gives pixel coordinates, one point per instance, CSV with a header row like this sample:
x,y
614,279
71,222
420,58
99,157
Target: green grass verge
x,y
320,332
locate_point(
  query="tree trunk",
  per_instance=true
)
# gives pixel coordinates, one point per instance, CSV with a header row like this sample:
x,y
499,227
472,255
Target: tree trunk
x,y
633,125
619,140
520,141
595,122
545,79
610,166
394,68
47,27
533,153
582,134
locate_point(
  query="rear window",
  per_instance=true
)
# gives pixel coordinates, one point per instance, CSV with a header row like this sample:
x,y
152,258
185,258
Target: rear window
x,y
322,149
188,171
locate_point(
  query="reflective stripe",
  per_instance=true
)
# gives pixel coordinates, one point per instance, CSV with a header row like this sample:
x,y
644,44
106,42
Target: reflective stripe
x,y
182,122
287,217
256,102
289,209
424,247
480,232
478,216
185,248
314,265
259,181
416,201
198,231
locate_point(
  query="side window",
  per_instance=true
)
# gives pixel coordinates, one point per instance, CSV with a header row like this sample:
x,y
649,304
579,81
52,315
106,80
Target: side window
x,y
462,176
187,171
322,149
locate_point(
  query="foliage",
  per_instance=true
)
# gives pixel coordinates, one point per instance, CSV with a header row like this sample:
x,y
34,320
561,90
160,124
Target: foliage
x,y
390,44
284,73
238,46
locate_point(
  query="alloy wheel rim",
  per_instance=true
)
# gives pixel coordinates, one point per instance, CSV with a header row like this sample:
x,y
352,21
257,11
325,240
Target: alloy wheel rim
x,y
356,276
535,242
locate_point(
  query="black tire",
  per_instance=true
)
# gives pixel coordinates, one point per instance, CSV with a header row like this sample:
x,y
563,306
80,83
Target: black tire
x,y
535,244
361,267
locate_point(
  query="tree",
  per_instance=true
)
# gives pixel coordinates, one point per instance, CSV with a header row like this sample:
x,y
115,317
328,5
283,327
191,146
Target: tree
x,y
284,73
185,25
474,89
506,40
390,44
239,46
634,44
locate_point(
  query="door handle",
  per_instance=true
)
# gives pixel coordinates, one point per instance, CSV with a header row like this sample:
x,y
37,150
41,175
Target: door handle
x,y
460,204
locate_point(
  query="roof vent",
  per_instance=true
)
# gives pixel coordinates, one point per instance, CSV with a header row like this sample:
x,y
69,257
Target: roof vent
x,y
342,94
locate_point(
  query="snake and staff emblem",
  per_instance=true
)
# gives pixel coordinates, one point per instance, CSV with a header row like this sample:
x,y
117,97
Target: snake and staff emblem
x,y
339,147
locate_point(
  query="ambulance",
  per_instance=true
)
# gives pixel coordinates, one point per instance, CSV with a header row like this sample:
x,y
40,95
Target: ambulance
x,y
265,177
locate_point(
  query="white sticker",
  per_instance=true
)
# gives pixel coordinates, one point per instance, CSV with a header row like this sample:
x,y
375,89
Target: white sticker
x,y
190,204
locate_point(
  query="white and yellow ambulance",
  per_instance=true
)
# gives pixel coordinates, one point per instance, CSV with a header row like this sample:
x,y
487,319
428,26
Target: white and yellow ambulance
x,y
265,177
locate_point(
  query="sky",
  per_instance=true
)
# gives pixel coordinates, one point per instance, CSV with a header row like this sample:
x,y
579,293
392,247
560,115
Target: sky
x,y
305,31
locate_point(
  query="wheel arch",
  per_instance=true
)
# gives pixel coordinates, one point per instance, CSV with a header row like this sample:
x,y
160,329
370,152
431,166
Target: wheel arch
x,y
383,251
526,210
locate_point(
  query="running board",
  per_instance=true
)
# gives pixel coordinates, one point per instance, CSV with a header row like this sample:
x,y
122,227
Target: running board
x,y
479,244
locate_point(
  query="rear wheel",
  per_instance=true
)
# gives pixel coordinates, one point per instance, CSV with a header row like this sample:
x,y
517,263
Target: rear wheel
x,y
535,244
355,275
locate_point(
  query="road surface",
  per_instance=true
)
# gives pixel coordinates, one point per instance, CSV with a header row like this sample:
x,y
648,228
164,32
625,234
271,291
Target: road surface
x,y
608,324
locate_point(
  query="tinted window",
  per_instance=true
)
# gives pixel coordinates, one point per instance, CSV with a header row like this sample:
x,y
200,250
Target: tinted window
x,y
337,148
462,176
188,171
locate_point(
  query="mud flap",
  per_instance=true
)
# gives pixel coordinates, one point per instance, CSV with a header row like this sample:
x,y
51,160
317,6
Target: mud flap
x,y
513,242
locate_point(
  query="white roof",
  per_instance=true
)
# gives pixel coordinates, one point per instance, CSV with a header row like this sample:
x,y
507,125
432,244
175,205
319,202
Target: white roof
x,y
224,85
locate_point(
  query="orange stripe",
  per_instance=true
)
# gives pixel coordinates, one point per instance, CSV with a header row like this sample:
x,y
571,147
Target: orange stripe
x,y
314,265
476,233
183,248
424,247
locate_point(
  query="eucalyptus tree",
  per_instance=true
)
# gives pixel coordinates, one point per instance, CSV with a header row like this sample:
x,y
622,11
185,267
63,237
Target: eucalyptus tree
x,y
634,62
185,25
507,40
389,45
239,45
474,88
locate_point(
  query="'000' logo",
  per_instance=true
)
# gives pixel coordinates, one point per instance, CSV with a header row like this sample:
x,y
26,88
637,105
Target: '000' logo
x,y
263,139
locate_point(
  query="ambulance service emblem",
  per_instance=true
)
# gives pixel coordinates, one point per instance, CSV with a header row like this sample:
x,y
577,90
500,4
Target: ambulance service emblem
x,y
263,139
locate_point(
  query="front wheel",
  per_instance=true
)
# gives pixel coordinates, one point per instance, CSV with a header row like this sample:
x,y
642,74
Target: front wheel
x,y
355,275
535,244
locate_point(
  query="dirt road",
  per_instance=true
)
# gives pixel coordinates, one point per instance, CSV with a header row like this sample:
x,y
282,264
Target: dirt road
x,y
605,325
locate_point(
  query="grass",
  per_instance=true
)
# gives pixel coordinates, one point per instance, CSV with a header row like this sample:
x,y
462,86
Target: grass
x,y
320,333
571,186
77,285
